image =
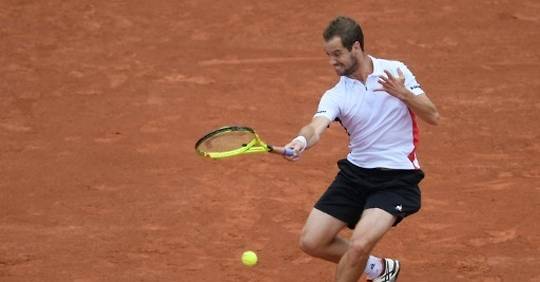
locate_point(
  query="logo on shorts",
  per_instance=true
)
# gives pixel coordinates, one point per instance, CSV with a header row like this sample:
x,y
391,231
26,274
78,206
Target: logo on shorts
x,y
399,207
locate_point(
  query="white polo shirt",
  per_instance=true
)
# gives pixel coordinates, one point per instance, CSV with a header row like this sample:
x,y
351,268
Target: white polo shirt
x,y
382,130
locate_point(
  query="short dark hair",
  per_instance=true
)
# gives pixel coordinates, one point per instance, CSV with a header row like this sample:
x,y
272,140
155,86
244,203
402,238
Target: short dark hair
x,y
347,29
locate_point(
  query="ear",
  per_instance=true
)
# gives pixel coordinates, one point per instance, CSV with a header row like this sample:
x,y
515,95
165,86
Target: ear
x,y
356,47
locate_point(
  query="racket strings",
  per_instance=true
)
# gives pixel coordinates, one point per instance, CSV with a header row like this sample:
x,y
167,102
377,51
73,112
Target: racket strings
x,y
226,141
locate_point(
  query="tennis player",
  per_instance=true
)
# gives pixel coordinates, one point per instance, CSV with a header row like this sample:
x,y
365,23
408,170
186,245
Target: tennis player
x,y
376,101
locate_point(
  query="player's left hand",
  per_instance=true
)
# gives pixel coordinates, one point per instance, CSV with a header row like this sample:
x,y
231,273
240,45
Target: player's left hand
x,y
394,86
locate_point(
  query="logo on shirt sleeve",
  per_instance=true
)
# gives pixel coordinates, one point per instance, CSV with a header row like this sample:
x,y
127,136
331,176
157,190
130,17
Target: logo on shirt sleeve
x,y
320,112
415,86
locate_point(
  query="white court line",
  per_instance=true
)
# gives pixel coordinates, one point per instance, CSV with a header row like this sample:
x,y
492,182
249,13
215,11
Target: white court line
x,y
214,62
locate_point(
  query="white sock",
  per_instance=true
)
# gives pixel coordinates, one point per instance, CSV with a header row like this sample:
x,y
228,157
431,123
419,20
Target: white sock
x,y
374,267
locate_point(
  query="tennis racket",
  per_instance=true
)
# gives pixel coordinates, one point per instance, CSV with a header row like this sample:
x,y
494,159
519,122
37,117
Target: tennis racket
x,y
233,141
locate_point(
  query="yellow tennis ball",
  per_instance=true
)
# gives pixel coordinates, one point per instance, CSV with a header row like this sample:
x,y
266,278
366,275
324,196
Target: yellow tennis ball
x,y
249,258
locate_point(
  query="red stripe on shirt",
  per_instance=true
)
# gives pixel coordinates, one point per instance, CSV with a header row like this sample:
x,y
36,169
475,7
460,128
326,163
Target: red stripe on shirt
x,y
416,136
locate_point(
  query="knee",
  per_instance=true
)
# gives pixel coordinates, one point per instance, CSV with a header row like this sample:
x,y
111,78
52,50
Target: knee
x,y
360,247
310,245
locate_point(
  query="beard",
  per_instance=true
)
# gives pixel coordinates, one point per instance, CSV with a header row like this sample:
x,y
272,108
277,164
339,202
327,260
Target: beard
x,y
352,68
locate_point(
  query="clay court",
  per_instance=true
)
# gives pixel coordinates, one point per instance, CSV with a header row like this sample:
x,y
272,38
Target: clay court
x,y
102,101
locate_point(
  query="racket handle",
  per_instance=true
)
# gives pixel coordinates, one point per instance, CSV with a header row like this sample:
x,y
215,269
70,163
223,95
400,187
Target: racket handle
x,y
288,152
281,150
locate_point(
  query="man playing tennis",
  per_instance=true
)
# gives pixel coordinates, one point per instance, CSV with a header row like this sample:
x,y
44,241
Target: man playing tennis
x,y
376,101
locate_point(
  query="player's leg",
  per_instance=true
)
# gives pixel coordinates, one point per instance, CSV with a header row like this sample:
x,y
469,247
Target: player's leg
x,y
341,205
372,226
319,236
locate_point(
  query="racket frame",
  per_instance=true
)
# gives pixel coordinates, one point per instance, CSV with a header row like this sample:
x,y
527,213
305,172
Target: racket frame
x,y
256,145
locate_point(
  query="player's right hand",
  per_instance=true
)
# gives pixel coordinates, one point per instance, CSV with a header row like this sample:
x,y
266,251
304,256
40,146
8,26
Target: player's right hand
x,y
297,148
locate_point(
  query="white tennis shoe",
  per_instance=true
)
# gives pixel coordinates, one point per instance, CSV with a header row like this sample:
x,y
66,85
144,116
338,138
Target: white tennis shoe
x,y
390,273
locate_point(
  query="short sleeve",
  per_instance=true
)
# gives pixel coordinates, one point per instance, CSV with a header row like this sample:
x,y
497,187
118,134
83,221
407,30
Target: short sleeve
x,y
410,80
328,106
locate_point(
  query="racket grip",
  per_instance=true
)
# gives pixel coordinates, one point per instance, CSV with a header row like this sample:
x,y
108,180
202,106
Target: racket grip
x,y
288,152
281,150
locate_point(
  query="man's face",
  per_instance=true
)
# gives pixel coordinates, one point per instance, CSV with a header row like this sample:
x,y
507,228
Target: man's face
x,y
343,60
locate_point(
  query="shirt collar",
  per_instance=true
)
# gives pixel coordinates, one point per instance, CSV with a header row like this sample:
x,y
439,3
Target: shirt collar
x,y
377,70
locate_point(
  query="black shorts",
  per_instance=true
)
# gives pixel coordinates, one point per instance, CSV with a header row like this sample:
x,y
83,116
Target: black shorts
x,y
355,189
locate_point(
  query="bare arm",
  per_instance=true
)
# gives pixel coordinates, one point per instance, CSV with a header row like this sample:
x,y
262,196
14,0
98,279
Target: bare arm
x,y
423,107
311,132
419,104
314,130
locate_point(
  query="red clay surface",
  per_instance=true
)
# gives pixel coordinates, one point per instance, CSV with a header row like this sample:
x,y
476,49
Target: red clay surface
x,y
101,104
